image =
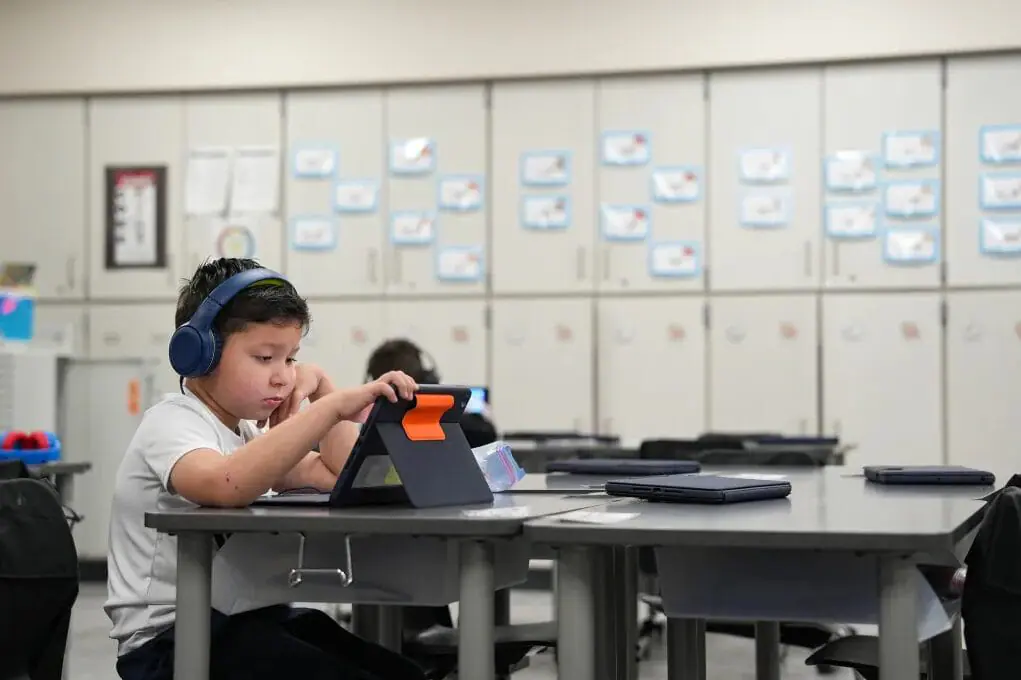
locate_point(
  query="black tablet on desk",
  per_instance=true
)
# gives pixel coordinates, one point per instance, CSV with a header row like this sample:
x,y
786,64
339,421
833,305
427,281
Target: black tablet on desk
x,y
635,467
928,474
706,489
409,452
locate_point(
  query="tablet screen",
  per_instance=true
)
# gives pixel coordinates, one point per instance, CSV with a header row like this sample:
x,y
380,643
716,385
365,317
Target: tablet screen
x,y
478,400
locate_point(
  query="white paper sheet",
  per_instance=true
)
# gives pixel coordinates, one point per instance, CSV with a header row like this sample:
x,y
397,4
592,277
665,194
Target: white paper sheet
x,y
356,196
412,228
1001,191
673,259
851,220
910,199
908,245
850,171
765,210
315,162
460,193
764,165
545,212
597,517
1001,236
208,181
459,264
545,168
625,222
911,149
415,156
313,233
675,185
626,148
1001,143
256,181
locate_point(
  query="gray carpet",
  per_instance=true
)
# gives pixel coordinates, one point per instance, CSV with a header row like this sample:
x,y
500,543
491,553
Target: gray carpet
x,y
93,653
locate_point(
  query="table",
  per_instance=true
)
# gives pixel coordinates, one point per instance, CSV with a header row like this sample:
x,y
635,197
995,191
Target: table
x,y
831,510
62,474
475,533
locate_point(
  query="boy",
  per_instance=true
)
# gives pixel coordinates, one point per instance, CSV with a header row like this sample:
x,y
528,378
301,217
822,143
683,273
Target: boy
x,y
200,448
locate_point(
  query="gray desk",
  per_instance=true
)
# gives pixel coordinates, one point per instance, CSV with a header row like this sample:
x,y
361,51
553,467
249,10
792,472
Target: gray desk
x,y
829,511
62,475
195,527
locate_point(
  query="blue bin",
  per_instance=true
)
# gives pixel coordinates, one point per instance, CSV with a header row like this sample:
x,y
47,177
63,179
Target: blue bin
x,y
33,456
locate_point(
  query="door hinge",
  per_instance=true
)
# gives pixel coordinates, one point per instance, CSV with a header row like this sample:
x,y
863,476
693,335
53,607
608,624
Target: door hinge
x,y
705,315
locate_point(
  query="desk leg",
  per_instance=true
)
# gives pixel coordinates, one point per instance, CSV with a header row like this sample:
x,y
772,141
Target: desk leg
x,y
475,634
767,650
946,655
576,613
624,591
685,651
391,628
898,619
194,585
365,620
502,614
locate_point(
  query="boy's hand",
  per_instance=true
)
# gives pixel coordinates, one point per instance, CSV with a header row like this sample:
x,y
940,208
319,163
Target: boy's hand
x,y
351,403
309,380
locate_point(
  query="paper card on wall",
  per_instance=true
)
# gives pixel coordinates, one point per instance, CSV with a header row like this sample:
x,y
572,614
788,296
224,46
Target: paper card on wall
x,y
1000,191
625,222
911,198
545,168
853,171
356,196
911,245
255,182
546,212
675,259
411,227
459,263
764,165
626,147
676,184
461,193
1001,236
765,210
313,232
311,162
911,149
235,237
851,220
1000,144
207,182
415,156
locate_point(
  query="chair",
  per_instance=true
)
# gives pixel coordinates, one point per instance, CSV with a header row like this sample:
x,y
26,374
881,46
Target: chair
x,y
38,579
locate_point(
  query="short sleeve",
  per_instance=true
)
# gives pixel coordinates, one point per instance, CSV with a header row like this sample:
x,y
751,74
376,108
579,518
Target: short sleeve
x,y
174,429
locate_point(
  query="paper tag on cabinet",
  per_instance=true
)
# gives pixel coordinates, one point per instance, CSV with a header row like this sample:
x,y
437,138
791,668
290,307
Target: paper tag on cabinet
x,y
677,259
625,222
911,245
415,156
1001,236
1001,143
356,196
545,168
626,148
851,220
546,212
461,193
313,233
850,171
459,263
910,149
412,228
315,162
764,165
912,198
765,210
1001,191
675,185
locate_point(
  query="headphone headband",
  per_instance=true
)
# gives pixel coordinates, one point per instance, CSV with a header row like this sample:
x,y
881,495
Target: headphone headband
x,y
205,315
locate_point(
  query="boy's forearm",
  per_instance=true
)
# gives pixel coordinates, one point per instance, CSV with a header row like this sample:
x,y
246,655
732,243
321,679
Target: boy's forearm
x,y
310,473
335,447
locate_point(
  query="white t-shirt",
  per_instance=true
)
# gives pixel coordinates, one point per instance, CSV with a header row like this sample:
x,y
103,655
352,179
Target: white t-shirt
x,y
142,563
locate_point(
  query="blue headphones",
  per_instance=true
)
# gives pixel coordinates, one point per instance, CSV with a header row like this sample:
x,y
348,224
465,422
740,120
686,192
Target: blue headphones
x,y
195,346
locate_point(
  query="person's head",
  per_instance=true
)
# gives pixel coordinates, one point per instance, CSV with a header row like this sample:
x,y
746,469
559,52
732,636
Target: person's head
x,y
401,354
260,329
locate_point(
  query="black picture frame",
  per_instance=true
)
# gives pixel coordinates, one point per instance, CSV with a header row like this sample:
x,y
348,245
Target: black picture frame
x,y
157,175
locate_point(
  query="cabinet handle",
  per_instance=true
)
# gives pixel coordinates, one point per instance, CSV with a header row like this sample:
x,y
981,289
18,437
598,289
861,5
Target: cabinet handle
x,y
836,258
808,259
170,270
397,273
111,338
607,426
803,426
582,269
373,265
606,264
69,268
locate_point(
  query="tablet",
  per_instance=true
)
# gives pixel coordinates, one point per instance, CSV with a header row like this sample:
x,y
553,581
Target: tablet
x,y
928,474
704,489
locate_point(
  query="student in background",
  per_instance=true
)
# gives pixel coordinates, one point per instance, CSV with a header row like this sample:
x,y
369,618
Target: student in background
x,y
403,355
201,448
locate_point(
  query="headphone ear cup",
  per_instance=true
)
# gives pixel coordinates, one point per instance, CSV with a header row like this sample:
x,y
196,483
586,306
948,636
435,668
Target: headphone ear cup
x,y
215,348
12,440
194,353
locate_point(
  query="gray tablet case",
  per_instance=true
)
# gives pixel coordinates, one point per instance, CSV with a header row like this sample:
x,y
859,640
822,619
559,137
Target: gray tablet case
x,y
706,489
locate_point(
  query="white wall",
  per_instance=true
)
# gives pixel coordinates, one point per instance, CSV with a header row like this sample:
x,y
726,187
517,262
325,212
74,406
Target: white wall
x,y
119,45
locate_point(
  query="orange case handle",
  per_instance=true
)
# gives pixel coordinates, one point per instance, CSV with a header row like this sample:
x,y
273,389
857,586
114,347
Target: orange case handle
x,y
422,423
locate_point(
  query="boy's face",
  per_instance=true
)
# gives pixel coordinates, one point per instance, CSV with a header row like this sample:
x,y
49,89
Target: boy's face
x,y
256,370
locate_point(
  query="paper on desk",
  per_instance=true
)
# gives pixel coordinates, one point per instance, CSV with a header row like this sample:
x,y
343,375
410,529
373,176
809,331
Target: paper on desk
x,y
596,517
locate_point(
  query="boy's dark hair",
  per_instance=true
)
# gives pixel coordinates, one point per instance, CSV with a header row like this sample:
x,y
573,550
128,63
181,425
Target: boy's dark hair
x,y
400,354
256,304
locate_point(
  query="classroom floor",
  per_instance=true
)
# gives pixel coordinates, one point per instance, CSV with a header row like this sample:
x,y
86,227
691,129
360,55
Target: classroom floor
x,y
92,652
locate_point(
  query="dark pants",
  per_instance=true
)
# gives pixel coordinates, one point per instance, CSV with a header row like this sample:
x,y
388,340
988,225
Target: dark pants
x,y
274,643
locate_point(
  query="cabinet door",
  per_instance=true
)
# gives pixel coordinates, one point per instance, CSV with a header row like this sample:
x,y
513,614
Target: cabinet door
x,y
136,131
764,218
763,368
902,97
62,328
882,377
983,378
349,124
449,124
235,122
453,333
342,336
135,331
42,151
651,368
543,233
670,124
542,364
983,101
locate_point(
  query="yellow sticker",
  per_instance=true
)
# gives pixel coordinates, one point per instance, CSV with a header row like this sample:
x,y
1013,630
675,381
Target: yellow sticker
x,y
392,478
